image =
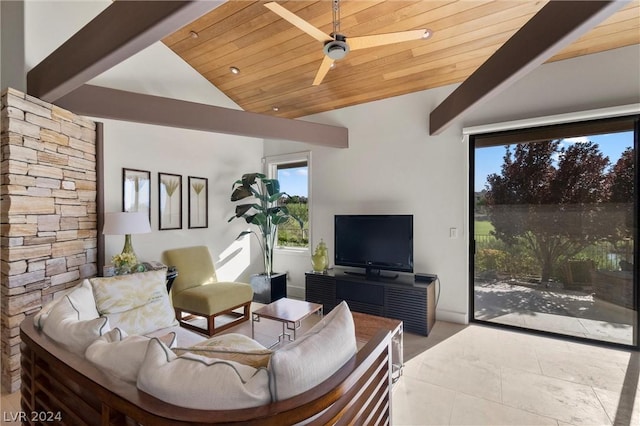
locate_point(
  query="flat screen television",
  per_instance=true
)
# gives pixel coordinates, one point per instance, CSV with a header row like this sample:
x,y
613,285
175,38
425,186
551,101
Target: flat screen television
x,y
374,242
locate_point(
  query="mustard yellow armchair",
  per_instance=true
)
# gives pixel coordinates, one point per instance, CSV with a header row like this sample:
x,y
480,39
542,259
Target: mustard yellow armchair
x,y
196,291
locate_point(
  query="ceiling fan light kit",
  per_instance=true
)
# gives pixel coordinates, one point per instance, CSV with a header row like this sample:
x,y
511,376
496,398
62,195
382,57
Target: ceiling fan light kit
x,y
336,46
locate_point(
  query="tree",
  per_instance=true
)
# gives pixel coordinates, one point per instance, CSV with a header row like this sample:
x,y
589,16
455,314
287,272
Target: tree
x,y
622,178
621,201
552,206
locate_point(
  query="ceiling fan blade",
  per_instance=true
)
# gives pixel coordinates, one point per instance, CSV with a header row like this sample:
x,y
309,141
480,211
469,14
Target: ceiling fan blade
x,y
325,66
363,42
298,22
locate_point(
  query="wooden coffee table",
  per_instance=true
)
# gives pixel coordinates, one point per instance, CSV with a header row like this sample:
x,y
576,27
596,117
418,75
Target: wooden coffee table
x,y
289,312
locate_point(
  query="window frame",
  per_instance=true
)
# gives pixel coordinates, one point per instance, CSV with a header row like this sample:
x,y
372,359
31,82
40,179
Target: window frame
x,y
271,164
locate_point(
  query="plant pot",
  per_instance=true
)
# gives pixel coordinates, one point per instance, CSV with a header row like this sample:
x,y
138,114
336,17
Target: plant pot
x,y
268,289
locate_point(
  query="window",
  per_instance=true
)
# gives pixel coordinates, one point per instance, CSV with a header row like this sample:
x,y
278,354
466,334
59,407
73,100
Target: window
x,y
553,231
292,171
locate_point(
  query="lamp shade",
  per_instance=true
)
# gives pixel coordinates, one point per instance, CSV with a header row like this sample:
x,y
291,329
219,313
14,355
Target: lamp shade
x,y
123,223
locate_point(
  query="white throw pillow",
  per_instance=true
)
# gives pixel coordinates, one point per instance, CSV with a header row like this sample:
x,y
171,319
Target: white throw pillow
x,y
315,356
137,303
198,382
43,314
122,355
68,326
81,297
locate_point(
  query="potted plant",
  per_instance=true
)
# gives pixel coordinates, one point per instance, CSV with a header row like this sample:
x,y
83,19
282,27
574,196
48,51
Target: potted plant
x,y
264,212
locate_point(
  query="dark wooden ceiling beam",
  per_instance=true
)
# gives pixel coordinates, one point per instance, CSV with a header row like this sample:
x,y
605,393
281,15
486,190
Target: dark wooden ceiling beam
x,y
123,29
102,102
553,28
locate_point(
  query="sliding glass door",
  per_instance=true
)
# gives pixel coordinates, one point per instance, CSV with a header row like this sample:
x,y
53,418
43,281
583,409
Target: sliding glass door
x,y
554,229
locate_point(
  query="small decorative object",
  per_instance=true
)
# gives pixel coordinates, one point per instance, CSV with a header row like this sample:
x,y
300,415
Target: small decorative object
x,y
198,202
170,201
320,258
136,191
124,263
108,270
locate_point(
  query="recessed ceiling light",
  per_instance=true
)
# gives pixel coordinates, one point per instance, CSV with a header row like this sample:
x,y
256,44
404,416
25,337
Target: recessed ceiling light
x,y
234,70
193,34
333,65
275,108
427,34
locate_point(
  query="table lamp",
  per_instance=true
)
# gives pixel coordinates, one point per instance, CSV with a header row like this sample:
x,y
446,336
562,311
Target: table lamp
x,y
126,223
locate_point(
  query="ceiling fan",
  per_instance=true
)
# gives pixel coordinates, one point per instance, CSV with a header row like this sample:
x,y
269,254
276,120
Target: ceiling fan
x,y
336,45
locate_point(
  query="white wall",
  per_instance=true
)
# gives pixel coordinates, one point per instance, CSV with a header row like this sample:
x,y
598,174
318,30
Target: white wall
x,y
392,165
220,158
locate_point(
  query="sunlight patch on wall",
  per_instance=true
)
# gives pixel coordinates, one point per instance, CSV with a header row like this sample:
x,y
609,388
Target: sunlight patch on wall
x,y
234,260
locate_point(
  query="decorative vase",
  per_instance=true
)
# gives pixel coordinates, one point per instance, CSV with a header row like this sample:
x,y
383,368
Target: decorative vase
x,y
323,249
320,258
318,261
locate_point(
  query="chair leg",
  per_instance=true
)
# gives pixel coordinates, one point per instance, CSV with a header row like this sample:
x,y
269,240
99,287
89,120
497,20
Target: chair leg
x,y
211,325
247,311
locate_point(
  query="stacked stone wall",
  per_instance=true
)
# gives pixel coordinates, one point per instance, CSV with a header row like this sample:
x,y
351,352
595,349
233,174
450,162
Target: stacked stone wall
x,y
47,215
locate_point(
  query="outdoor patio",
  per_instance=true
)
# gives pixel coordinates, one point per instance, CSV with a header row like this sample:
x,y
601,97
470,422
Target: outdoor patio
x,y
557,310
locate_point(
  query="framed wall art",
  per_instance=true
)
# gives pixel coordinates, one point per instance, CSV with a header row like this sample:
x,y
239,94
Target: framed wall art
x,y
136,191
170,201
198,202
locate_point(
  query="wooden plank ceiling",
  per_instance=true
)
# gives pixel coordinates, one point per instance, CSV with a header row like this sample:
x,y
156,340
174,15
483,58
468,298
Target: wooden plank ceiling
x,y
278,62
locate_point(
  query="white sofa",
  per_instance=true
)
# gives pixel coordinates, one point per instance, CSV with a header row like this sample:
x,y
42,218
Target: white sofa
x,y
126,326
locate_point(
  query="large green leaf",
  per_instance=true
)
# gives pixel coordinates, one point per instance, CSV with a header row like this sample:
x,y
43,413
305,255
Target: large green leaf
x,y
272,185
241,193
279,220
257,219
241,209
275,197
249,179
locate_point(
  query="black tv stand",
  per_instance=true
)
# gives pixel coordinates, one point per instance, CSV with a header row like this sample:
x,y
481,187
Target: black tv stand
x,y
373,274
400,298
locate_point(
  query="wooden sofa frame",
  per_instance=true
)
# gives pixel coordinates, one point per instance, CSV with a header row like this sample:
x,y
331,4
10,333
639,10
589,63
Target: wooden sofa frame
x,y
69,387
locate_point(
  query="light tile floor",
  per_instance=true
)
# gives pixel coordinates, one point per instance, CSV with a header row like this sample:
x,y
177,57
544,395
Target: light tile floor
x,y
478,375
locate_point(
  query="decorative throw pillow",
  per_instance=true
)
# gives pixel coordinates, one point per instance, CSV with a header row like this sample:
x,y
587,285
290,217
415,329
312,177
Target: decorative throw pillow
x,y
198,382
315,356
81,297
233,347
137,303
122,355
69,326
83,300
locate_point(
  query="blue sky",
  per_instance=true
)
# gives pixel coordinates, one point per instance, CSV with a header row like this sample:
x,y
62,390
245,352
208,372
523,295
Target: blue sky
x,y
293,181
489,160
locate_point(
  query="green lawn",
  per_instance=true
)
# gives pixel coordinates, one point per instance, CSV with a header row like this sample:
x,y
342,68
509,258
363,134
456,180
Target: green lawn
x,y
483,227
